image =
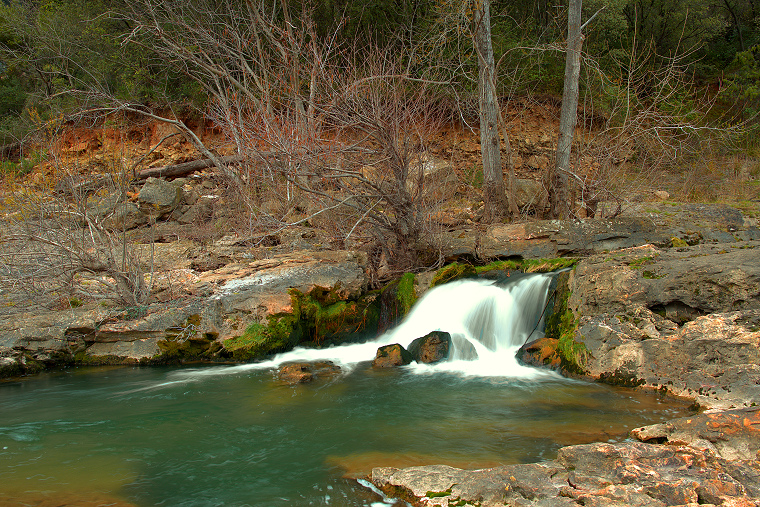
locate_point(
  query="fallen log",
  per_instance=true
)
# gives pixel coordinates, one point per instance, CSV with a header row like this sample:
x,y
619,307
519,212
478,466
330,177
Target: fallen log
x,y
177,170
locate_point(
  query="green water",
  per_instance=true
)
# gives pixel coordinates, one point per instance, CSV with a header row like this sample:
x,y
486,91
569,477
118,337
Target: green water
x,y
235,436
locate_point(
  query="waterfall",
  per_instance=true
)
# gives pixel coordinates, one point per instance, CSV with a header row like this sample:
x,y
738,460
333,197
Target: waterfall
x,y
487,320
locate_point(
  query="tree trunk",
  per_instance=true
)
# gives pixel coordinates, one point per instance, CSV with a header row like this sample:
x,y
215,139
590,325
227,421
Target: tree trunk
x,y
490,145
558,178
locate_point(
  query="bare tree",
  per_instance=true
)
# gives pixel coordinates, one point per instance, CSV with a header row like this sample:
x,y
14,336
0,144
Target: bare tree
x,y
58,247
558,178
494,193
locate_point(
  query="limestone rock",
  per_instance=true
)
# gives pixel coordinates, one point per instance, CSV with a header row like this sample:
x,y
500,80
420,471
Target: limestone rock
x,y
600,474
431,348
730,434
389,356
159,197
668,320
126,216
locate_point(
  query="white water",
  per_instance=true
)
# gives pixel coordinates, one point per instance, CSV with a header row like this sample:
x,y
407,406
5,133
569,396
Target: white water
x,y
487,324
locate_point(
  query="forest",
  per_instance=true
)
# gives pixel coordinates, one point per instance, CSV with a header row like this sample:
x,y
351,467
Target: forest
x,y
338,100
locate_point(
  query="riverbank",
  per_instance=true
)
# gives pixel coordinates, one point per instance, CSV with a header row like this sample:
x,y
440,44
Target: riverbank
x,y
682,321
627,324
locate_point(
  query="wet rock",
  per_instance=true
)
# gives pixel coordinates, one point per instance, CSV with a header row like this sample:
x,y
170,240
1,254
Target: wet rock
x,y
431,348
389,356
302,373
159,197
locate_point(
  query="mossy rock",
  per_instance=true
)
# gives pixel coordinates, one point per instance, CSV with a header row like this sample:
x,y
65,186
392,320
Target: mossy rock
x,y
83,359
319,316
561,325
396,300
259,340
184,343
452,272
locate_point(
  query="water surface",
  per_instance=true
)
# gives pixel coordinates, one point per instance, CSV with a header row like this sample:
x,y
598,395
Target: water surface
x,y
235,436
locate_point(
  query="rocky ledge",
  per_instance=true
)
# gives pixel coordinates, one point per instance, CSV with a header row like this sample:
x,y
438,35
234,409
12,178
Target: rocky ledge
x,y
709,459
684,321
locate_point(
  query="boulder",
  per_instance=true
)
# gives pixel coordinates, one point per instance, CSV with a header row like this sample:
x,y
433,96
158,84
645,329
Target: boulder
x,y
389,356
302,373
125,216
431,348
682,320
159,197
530,193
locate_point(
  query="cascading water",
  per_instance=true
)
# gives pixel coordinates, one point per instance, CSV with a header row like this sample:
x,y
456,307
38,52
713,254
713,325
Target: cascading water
x,y
487,320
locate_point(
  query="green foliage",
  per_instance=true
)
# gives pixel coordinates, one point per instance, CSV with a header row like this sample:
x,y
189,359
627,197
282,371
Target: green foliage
x,y
12,95
22,168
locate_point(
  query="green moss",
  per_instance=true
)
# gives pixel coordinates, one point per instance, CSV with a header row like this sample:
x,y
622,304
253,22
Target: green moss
x,y
529,265
639,263
438,494
405,292
185,343
451,272
651,275
678,242
259,340
562,325
318,316
84,359
509,264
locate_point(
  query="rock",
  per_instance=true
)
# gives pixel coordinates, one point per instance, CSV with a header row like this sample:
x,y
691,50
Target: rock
x,y
302,373
159,197
600,474
530,193
667,320
200,212
389,356
731,434
125,216
262,287
431,348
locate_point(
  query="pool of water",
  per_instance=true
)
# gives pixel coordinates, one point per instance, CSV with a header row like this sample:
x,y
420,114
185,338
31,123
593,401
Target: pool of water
x,y
235,436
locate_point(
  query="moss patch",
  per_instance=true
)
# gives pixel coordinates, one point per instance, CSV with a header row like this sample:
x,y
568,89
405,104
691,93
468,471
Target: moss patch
x,y
528,265
185,343
639,263
319,316
562,325
405,292
451,272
